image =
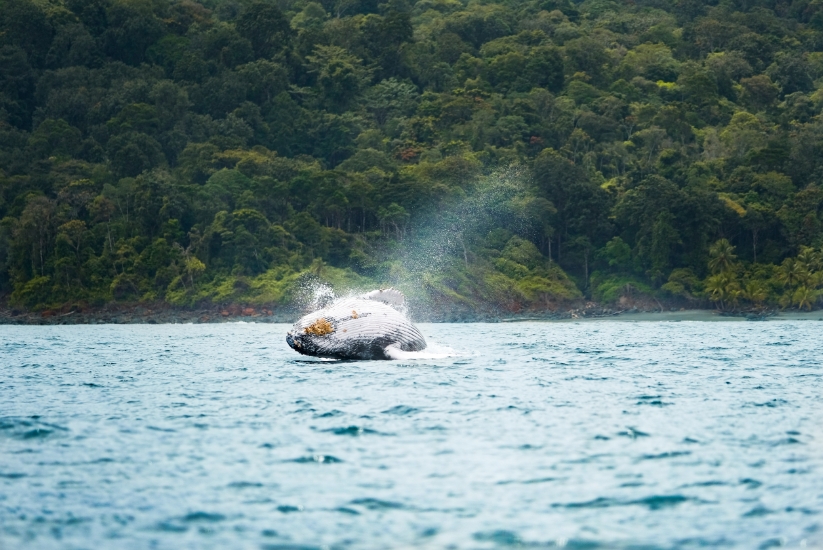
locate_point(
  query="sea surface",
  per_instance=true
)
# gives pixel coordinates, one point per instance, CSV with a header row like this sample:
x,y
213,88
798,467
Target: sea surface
x,y
596,434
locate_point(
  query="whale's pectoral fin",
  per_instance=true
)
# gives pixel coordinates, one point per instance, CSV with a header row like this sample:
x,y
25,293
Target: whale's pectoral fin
x,y
390,296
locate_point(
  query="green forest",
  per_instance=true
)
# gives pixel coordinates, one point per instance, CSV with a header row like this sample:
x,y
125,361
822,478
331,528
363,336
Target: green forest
x,y
498,154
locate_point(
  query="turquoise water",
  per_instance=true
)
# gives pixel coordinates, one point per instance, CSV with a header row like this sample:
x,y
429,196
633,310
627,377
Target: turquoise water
x,y
579,435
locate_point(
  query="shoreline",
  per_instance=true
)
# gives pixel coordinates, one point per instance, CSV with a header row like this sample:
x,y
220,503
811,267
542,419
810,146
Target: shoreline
x,y
160,313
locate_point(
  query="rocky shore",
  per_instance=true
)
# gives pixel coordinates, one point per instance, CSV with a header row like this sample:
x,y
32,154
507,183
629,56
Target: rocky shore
x,y
159,313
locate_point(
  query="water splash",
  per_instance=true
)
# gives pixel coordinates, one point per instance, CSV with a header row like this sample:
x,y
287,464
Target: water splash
x,y
313,294
323,295
442,238
437,254
433,351
316,294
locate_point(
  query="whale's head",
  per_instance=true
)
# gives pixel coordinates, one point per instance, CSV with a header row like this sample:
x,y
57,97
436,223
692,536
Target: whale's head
x,y
294,341
303,336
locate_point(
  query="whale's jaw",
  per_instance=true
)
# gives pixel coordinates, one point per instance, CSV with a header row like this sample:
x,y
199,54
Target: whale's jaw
x,y
294,343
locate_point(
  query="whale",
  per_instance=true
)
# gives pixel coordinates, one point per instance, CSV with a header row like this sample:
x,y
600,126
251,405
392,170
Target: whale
x,y
368,326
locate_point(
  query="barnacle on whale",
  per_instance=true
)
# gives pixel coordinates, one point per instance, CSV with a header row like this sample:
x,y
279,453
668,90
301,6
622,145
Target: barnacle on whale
x,y
321,327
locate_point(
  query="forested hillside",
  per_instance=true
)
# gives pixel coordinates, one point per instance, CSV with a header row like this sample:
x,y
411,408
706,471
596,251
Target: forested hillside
x,y
499,154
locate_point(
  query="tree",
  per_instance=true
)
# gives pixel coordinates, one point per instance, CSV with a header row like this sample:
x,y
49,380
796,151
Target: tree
x,y
759,91
744,133
131,29
25,25
588,56
266,27
55,137
724,289
792,273
555,177
384,37
394,216
756,220
544,68
805,297
32,239
756,292
133,153
722,257
792,73
340,75
662,236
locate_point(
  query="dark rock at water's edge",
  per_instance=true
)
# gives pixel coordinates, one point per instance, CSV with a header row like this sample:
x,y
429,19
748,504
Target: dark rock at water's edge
x,y
149,313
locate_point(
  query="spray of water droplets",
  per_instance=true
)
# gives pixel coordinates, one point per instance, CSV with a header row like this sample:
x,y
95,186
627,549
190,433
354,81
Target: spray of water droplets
x,y
442,238
435,241
313,294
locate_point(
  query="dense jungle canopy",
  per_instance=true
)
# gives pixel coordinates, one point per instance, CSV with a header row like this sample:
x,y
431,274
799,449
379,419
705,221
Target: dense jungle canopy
x,y
489,153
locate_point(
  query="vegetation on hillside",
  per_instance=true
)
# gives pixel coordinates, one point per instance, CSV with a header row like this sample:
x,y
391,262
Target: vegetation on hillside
x,y
488,153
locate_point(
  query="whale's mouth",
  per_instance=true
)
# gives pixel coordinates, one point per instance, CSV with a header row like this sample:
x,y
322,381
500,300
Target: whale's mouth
x,y
293,344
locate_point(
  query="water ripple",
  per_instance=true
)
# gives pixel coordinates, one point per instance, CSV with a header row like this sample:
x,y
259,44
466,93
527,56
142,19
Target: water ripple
x,y
605,434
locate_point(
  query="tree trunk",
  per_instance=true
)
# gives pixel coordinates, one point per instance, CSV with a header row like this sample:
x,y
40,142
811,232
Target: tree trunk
x,y
754,244
558,248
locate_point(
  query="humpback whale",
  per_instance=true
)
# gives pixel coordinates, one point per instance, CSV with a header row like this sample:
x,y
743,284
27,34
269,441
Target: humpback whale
x,y
362,327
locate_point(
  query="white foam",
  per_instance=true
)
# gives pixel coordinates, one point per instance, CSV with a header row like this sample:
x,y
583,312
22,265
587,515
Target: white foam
x,y
432,351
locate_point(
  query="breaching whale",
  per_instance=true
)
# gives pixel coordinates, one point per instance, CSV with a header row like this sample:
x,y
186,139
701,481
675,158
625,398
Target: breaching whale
x,y
363,327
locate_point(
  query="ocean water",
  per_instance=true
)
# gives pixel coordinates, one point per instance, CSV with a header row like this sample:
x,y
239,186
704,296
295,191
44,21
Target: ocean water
x,y
594,434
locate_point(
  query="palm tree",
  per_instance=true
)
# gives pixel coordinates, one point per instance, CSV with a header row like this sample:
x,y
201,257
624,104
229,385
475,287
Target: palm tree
x,y
792,273
733,294
816,279
756,292
811,258
716,289
721,256
804,297
786,299
724,289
